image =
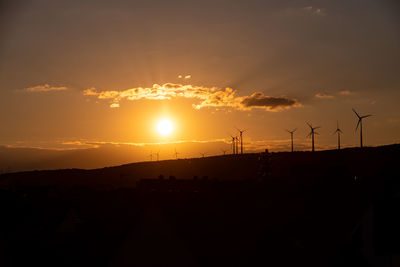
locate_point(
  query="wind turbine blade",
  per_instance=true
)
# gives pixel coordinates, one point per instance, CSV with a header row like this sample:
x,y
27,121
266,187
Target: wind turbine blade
x,y
315,128
240,131
294,130
309,125
309,135
366,116
358,123
356,113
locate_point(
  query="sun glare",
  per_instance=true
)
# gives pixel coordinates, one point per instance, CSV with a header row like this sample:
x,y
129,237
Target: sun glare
x,y
165,127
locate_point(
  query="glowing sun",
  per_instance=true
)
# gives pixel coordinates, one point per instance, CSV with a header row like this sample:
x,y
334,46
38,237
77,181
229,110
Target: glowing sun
x,y
165,127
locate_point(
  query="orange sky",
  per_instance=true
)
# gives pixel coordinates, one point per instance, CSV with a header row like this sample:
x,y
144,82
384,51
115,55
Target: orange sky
x,y
78,74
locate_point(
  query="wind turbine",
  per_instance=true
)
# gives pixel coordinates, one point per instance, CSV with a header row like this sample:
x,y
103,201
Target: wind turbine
x,y
223,151
241,139
312,133
158,154
359,123
233,145
203,154
151,155
176,154
338,131
291,136
237,145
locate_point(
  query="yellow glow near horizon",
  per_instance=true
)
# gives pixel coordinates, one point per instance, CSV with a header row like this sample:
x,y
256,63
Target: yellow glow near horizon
x,y
165,127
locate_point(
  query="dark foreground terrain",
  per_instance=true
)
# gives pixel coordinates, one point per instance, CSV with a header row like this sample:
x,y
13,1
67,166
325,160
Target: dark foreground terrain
x,y
328,208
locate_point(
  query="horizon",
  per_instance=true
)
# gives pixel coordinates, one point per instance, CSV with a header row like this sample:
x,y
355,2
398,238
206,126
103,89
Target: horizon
x,y
81,158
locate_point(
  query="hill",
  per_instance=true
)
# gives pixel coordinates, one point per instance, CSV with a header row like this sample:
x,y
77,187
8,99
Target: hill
x,y
328,208
370,161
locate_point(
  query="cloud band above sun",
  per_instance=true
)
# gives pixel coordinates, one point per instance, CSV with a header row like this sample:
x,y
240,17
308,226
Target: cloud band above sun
x,y
206,96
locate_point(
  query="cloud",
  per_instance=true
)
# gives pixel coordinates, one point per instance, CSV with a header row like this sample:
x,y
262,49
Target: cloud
x,y
249,145
268,102
206,97
345,92
315,10
45,88
324,96
188,76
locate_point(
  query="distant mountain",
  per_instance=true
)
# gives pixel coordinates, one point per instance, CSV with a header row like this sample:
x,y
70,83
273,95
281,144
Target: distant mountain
x,y
23,159
13,159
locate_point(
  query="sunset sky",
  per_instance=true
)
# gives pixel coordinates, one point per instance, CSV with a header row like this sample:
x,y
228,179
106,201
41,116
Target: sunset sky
x,y
80,74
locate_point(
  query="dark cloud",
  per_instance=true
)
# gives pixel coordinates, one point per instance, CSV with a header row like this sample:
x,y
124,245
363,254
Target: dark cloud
x,y
268,102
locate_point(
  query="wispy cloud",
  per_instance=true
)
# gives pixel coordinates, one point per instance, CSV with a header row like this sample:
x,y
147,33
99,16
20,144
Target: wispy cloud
x,y
346,92
249,145
184,146
324,96
45,88
188,76
207,97
315,10
149,144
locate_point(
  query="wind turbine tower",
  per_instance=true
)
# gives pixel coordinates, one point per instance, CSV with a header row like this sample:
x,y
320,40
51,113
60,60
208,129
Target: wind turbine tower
x,y
339,132
359,123
233,145
312,133
176,154
237,144
241,139
291,136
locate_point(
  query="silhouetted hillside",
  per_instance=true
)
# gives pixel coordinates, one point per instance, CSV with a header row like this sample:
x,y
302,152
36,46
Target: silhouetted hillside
x,y
328,208
283,165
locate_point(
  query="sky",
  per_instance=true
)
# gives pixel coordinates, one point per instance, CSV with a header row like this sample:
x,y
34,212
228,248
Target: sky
x,y
81,74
